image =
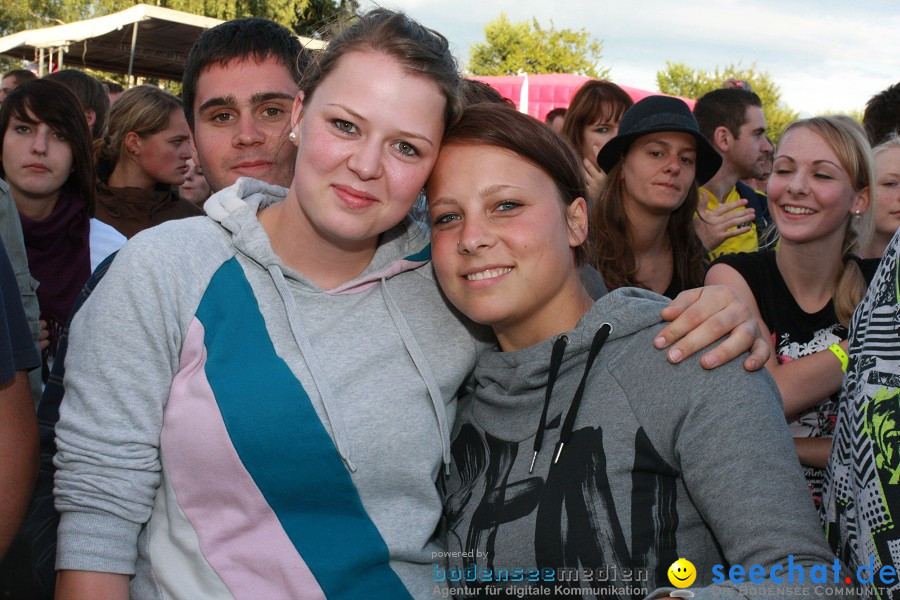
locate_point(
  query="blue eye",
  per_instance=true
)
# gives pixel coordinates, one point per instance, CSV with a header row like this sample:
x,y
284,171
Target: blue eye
x,y
508,205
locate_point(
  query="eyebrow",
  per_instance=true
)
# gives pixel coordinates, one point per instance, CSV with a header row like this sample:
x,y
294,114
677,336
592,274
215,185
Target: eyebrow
x,y
266,96
482,193
662,142
359,117
231,101
815,162
218,101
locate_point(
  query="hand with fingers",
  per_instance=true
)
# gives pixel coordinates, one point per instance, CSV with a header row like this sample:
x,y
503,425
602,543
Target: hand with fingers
x,y
700,317
593,175
727,221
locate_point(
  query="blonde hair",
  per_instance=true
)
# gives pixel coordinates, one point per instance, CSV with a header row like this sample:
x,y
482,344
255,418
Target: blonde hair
x,y
847,140
891,142
143,109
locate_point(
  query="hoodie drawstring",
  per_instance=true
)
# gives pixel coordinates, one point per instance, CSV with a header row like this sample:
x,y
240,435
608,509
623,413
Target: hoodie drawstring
x,y
419,360
559,348
569,423
318,374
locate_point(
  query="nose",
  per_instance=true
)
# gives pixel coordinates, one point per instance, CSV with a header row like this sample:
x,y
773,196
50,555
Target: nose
x,y
798,183
184,151
249,133
366,159
673,164
40,141
475,235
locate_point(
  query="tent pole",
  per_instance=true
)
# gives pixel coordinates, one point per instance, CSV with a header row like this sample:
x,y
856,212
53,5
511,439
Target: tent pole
x,y
41,63
60,58
134,31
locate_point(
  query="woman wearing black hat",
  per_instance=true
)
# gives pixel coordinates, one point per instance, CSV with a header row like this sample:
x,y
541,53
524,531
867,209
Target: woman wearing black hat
x,y
584,465
642,224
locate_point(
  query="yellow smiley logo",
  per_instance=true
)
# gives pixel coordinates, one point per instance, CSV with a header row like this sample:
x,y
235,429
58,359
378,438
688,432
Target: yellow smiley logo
x,y
682,573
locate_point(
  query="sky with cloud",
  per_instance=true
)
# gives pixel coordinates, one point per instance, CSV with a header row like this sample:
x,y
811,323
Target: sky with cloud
x,y
826,55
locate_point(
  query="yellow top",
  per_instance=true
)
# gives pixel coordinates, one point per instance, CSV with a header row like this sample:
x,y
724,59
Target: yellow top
x,y
746,242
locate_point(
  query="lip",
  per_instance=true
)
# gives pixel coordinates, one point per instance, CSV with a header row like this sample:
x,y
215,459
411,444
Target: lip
x,y
783,209
353,197
251,166
669,186
36,167
500,272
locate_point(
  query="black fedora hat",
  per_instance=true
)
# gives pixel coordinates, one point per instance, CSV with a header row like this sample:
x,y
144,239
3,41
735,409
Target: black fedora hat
x,y
654,114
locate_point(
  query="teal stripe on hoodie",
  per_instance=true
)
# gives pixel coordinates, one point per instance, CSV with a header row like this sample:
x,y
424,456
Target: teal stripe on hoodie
x,y
269,416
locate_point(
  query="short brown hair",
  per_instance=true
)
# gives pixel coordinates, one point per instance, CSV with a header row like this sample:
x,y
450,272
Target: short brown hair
x,y
502,126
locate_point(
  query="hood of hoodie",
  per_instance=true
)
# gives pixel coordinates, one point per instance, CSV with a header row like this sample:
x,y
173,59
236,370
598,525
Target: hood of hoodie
x,y
400,249
510,386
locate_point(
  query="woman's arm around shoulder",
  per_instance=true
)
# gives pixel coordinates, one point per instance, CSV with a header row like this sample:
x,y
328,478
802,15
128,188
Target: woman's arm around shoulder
x,y
803,382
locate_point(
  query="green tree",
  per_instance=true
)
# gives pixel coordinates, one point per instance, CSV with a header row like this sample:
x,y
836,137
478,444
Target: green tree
x,y
511,48
679,79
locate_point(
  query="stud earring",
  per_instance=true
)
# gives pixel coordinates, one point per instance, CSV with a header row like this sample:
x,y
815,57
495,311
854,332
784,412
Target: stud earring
x,y
293,137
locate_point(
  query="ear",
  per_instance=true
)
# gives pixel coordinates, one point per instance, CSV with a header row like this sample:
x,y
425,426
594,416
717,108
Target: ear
x,y
297,113
577,222
91,117
195,156
862,202
132,143
722,139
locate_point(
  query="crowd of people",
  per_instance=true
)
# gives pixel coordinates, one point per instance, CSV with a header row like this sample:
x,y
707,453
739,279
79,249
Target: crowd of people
x,y
342,325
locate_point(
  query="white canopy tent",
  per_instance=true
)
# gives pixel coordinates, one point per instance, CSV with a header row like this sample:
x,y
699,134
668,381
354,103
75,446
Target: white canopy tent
x,y
144,40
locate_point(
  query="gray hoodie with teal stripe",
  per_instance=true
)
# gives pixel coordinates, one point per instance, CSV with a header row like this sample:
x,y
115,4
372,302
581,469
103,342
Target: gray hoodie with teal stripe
x,y
230,429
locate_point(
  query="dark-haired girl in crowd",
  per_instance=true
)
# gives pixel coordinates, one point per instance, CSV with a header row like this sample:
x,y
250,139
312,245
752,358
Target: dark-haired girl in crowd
x,y
642,223
48,164
592,119
139,161
581,449
805,291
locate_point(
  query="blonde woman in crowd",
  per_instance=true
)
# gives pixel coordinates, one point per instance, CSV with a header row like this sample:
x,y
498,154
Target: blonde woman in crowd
x,y
805,292
144,154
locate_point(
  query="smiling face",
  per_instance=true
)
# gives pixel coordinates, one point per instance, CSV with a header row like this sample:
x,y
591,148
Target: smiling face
x,y
366,142
241,121
163,156
37,160
682,573
502,243
887,185
810,194
657,171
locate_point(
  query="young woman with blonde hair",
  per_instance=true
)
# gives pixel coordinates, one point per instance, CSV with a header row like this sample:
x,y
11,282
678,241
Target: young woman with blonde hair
x,y
805,292
887,192
139,161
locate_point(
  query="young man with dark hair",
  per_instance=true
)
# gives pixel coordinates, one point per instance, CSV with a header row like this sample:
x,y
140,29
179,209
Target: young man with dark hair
x,y
13,79
239,84
882,115
91,93
733,121
555,119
